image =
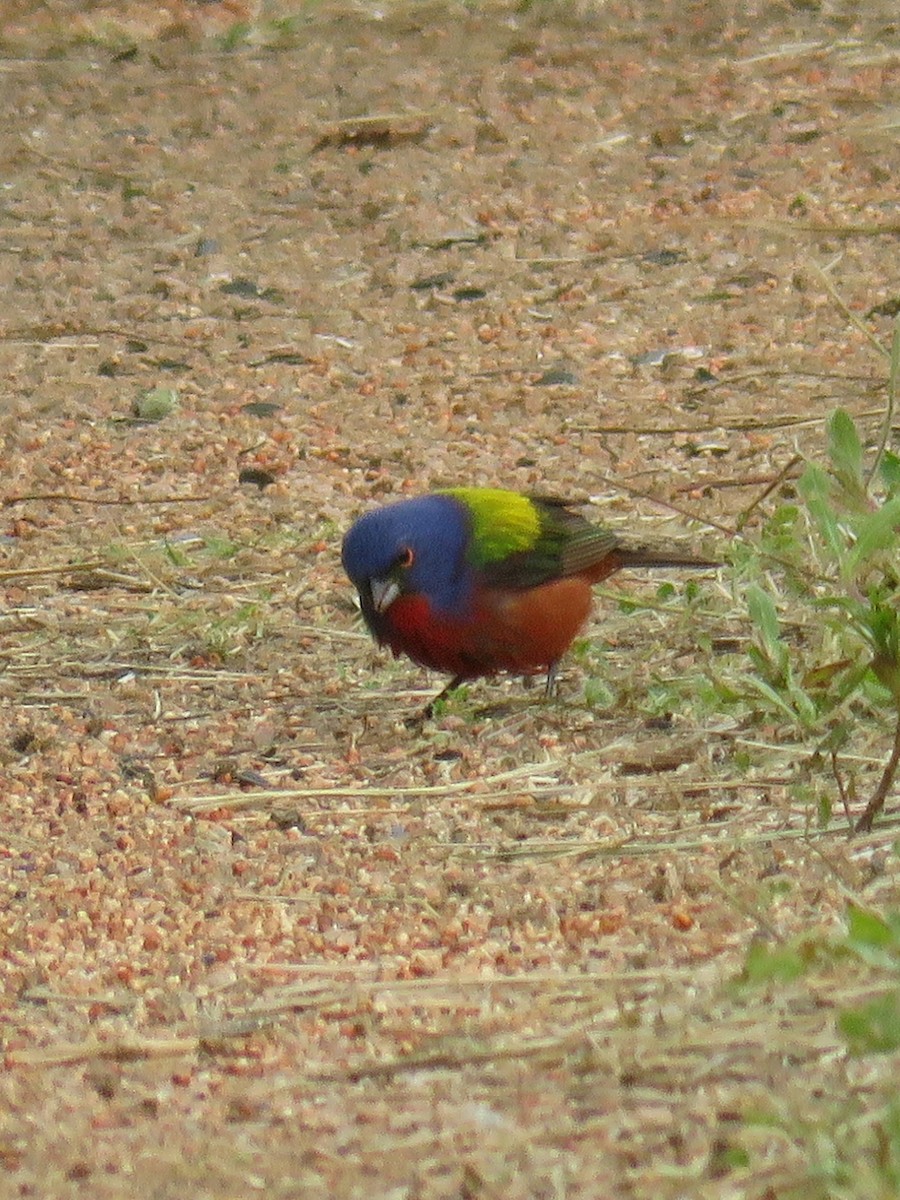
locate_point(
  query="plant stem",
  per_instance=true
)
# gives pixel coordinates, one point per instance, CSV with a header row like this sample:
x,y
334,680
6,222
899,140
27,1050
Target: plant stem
x,y
873,808
888,420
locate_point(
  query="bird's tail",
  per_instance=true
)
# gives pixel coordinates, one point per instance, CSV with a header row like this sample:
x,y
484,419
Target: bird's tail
x,y
661,556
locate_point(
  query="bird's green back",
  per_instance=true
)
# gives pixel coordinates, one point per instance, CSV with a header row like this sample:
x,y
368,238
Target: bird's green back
x,y
503,523
521,541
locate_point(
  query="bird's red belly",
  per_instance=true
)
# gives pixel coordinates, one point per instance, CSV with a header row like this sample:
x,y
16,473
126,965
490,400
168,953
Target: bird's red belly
x,y
522,632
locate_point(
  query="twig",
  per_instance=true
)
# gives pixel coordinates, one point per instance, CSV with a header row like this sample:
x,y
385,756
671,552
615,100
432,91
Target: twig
x,y
862,229
62,569
744,517
876,803
120,1050
584,851
742,481
80,167
851,316
451,1059
66,497
640,494
841,787
890,229
43,335
238,800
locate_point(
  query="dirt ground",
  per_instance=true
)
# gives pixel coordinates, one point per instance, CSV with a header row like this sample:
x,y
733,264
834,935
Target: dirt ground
x,y
259,934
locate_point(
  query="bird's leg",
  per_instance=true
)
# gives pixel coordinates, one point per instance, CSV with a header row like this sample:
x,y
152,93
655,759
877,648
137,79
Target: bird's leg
x,y
550,685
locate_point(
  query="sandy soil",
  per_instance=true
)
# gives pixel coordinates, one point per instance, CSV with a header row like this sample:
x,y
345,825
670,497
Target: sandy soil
x,y
258,933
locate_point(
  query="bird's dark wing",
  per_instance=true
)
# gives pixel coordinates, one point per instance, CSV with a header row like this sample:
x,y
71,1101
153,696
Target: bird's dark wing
x,y
565,544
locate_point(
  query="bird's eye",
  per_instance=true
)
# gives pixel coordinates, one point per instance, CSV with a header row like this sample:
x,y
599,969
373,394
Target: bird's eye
x,y
406,558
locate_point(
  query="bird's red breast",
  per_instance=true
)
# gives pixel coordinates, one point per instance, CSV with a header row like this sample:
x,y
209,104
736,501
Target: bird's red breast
x,y
523,632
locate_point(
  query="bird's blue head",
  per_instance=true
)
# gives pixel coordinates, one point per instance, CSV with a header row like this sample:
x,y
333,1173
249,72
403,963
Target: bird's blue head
x,y
412,547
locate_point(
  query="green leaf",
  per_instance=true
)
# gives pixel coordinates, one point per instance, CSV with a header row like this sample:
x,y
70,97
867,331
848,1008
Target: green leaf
x,y
845,448
873,1027
236,35
880,624
814,483
878,531
764,616
175,555
890,471
598,694
155,404
824,809
775,699
804,706
846,686
765,965
779,531
816,489
865,928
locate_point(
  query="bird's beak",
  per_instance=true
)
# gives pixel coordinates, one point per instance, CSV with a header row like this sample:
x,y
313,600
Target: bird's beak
x,y
384,593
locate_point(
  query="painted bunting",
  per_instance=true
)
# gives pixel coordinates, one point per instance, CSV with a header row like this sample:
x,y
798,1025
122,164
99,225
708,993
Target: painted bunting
x,y
471,581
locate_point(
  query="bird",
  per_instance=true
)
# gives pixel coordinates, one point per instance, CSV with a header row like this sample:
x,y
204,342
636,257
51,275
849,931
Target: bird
x,y
473,581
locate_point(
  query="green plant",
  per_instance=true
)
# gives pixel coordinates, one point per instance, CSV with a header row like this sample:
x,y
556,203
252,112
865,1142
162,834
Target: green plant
x,y
873,1026
848,1139
822,591
610,676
